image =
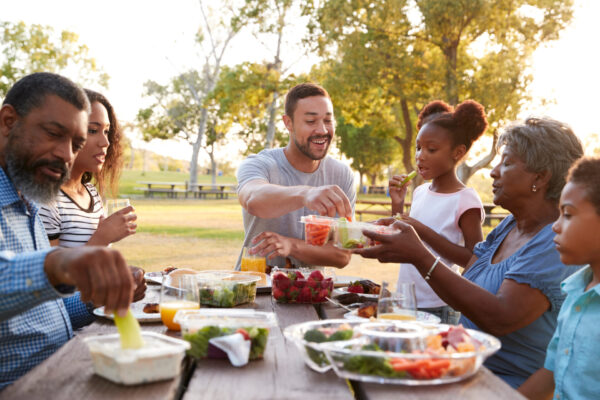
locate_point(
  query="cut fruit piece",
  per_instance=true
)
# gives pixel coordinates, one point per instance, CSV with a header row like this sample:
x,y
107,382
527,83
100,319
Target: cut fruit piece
x,y
129,331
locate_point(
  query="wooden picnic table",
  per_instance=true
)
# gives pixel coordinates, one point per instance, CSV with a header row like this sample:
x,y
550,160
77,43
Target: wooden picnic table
x,y
220,190
67,374
171,189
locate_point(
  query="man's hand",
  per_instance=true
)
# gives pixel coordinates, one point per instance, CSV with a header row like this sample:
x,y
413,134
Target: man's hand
x,y
328,200
271,245
100,274
140,283
117,226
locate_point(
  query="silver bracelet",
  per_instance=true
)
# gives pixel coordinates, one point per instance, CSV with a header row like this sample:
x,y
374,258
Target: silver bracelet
x,y
435,263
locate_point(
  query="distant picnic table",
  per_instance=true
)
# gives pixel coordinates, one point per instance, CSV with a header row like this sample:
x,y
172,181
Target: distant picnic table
x,y
384,209
198,190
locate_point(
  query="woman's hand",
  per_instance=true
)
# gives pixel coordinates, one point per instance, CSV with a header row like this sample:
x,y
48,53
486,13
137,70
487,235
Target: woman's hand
x,y
403,246
140,283
117,226
271,245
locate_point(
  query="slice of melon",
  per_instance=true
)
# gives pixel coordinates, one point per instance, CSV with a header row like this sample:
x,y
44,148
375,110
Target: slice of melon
x,y
129,330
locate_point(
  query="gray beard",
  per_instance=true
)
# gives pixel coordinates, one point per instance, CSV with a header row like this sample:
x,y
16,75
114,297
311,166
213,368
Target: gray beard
x,y
23,176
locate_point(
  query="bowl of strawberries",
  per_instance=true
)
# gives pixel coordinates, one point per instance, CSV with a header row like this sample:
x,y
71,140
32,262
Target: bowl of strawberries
x,y
295,286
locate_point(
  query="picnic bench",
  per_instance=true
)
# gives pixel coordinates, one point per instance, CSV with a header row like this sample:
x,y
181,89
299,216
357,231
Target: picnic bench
x,y
220,190
171,189
68,373
375,189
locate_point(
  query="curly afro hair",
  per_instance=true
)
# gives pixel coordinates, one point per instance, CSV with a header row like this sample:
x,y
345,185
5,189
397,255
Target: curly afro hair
x,y
586,172
466,123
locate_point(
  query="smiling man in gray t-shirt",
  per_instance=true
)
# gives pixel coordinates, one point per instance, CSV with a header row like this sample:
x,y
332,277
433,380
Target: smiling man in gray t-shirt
x,y
278,186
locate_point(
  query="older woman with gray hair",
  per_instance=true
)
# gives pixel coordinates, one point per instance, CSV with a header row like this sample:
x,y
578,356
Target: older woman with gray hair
x,y
511,286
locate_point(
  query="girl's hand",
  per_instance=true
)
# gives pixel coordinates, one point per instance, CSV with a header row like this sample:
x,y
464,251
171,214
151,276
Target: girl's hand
x,y
117,226
402,247
411,221
397,189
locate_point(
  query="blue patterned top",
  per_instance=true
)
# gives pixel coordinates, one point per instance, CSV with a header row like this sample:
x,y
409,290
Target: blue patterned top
x,y
34,320
537,263
574,350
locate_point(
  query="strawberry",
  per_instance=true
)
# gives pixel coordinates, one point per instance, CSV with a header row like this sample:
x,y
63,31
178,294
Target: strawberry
x,y
327,284
281,281
244,333
356,287
305,295
299,275
316,275
312,283
293,293
322,294
278,293
300,283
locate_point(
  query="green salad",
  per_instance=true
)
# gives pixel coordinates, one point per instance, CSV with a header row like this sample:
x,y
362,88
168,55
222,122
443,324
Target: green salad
x,y
228,295
199,340
319,336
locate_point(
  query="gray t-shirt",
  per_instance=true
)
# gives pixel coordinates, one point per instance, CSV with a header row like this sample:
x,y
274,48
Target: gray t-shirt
x,y
273,166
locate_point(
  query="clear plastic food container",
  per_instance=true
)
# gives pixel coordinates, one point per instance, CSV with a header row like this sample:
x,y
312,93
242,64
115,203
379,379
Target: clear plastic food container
x,y
317,229
159,359
309,336
226,289
363,360
291,285
199,326
349,235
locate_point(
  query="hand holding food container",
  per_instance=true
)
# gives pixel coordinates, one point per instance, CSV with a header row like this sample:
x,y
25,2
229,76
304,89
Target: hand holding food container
x,y
177,292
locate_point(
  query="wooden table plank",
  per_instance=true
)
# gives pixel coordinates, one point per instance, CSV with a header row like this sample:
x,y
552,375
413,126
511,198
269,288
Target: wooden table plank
x,y
280,375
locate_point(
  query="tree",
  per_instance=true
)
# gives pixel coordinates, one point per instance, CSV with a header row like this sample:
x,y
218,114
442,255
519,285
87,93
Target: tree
x,y
391,57
179,108
25,49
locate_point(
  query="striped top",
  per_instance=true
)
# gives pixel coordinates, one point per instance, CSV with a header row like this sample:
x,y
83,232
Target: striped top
x,y
71,224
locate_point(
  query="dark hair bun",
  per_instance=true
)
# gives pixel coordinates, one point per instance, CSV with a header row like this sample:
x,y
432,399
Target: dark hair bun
x,y
466,123
433,108
469,116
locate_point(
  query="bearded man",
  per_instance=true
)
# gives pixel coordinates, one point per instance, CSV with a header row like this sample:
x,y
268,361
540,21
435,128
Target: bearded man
x,y
278,186
43,124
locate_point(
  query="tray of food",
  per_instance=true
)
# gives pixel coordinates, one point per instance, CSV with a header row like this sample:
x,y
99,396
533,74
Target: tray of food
x,y
408,355
226,289
349,235
308,337
199,326
365,288
318,230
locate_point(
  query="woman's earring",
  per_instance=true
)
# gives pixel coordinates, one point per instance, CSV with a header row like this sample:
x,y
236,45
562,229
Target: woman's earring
x,y
534,188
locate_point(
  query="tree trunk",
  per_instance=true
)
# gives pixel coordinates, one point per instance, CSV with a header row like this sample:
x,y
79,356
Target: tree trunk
x,y
360,182
407,141
373,179
144,161
131,157
450,53
465,171
196,148
271,125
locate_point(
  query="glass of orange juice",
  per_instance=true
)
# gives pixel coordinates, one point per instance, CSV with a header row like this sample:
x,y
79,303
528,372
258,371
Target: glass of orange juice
x,y
253,262
398,305
177,293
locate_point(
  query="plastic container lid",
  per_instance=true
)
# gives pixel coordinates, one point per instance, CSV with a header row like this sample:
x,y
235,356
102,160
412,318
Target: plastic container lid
x,y
216,277
192,320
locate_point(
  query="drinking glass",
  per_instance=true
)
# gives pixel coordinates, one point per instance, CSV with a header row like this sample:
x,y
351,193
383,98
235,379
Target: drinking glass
x,y
179,292
253,262
113,205
398,305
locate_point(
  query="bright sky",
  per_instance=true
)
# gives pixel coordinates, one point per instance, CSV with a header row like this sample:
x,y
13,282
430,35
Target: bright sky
x,y
138,40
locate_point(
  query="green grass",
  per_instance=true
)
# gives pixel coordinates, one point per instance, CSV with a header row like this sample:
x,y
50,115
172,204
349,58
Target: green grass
x,y
199,233
129,179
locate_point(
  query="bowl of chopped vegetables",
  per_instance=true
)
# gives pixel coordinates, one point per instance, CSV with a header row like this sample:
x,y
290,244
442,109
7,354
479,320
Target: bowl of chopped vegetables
x,y
225,289
199,326
452,353
309,336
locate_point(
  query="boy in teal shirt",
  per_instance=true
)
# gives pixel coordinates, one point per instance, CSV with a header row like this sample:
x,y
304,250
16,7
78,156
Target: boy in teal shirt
x,y
572,363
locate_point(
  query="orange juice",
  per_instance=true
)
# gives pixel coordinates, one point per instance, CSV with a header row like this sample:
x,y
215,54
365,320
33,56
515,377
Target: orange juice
x,y
258,264
169,309
396,316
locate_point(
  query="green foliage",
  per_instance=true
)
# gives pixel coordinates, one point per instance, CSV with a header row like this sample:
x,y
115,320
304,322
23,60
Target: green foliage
x,y
386,59
25,49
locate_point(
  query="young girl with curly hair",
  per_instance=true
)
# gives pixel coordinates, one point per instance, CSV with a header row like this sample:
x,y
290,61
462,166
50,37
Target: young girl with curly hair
x,y
446,214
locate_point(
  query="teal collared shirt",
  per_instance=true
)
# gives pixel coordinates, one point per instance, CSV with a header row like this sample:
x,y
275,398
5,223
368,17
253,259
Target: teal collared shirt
x,y
574,351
